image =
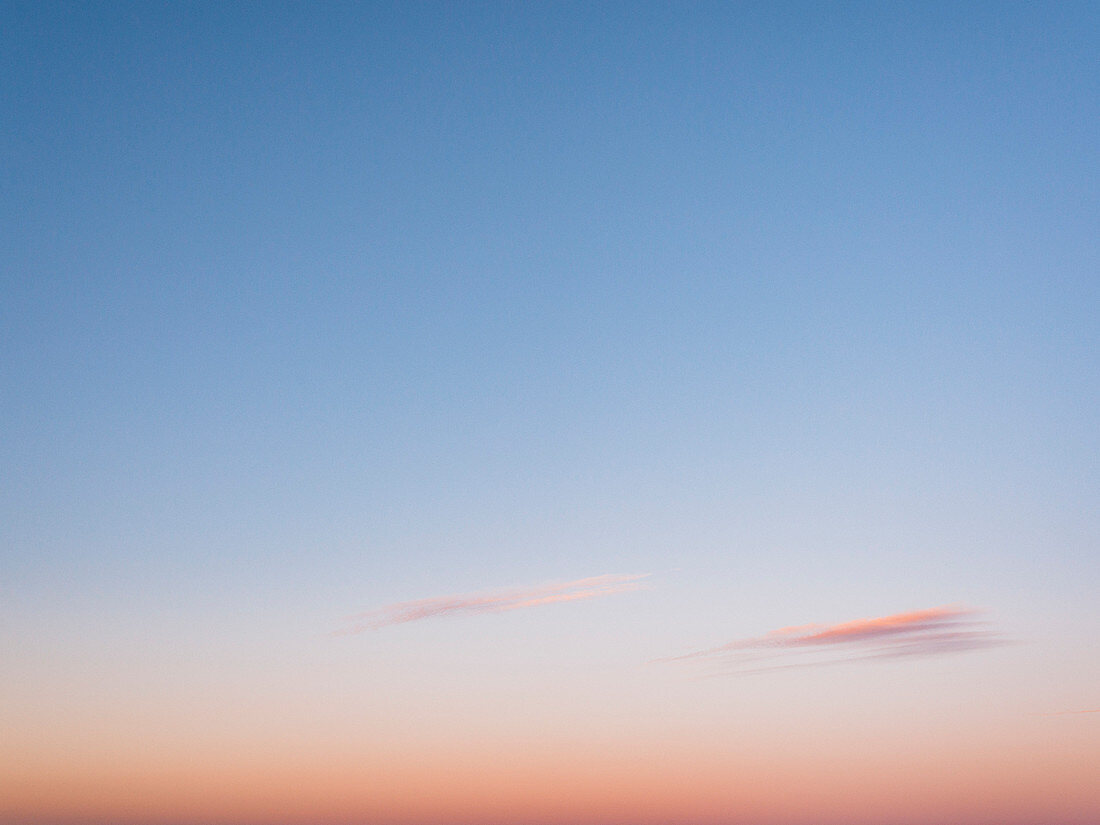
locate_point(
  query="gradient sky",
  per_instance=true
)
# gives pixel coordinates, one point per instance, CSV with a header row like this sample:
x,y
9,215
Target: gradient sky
x,y
529,414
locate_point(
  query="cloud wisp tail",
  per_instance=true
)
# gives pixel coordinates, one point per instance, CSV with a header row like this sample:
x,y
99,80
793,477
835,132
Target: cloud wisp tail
x,y
497,601
933,631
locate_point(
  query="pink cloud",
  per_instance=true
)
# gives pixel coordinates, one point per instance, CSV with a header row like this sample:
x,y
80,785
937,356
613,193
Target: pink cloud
x,y
930,632
498,601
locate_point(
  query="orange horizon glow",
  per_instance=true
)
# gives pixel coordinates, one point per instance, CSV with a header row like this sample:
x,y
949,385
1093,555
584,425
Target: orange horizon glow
x,y
649,783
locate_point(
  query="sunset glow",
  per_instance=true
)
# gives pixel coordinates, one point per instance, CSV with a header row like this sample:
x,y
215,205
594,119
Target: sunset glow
x,y
452,413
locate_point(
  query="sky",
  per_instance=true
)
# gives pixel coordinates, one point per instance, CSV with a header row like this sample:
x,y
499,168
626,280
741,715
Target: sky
x,y
596,413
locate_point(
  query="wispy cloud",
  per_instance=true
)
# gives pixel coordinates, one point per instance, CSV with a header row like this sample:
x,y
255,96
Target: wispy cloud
x,y
496,601
931,632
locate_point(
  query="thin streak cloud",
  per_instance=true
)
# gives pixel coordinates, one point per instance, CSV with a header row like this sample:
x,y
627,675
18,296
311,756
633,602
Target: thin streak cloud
x,y
497,601
931,632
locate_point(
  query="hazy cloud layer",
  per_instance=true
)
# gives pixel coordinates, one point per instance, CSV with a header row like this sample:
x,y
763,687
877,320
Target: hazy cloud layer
x,y
930,632
497,601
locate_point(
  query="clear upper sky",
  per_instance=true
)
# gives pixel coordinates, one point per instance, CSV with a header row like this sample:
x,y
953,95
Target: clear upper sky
x,y
614,336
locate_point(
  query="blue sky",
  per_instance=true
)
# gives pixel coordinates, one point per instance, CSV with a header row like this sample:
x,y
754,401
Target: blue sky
x,y
307,310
